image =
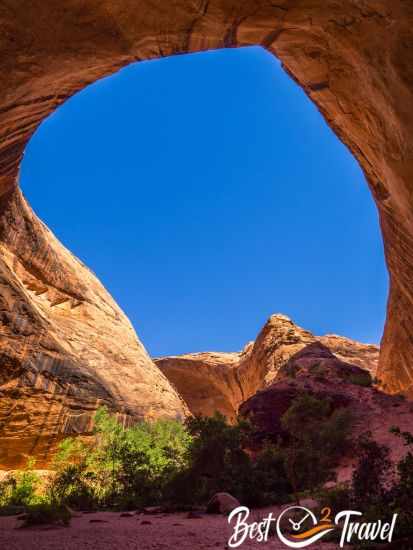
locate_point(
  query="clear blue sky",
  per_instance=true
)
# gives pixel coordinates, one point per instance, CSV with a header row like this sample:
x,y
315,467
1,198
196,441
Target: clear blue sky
x,y
207,192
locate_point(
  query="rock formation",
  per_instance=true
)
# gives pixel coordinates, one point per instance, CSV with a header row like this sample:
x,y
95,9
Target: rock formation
x,y
316,371
353,59
211,382
208,382
65,346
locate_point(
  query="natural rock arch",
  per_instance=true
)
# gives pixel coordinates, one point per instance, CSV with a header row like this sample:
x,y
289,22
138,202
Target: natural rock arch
x,y
65,346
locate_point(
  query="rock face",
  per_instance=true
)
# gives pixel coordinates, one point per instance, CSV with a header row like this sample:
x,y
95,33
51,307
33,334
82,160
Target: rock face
x,y
316,371
211,382
65,346
353,59
208,382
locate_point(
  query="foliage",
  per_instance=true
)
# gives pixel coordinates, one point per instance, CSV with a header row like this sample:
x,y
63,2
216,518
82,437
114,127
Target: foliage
x,y
290,370
371,477
126,467
149,457
219,462
165,462
379,491
44,514
20,488
318,435
269,483
401,494
363,379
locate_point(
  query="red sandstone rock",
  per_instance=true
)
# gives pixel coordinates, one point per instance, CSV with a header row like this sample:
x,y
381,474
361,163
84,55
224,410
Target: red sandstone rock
x,y
65,346
211,382
316,371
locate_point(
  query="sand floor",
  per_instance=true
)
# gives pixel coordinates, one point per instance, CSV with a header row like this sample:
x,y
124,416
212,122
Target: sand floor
x,y
110,531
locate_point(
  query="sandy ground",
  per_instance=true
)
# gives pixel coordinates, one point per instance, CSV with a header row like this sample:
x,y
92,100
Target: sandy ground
x,y
110,531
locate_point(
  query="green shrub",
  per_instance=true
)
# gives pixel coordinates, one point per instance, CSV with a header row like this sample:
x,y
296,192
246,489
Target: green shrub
x,y
362,379
318,437
46,514
217,460
125,467
269,483
372,475
20,488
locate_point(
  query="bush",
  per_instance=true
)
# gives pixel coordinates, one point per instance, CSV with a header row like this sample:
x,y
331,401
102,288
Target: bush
x,y
150,456
372,476
269,483
73,486
20,488
362,379
182,465
46,514
318,436
125,468
217,460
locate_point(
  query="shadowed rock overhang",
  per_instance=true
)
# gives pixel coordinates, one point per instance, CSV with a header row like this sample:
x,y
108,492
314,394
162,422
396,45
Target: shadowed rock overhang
x,y
65,345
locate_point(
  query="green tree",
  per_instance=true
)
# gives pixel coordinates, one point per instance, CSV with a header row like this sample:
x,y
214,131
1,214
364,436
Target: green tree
x,y
372,475
317,437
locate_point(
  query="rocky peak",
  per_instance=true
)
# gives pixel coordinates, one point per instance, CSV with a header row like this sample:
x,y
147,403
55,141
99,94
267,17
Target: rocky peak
x,y
222,381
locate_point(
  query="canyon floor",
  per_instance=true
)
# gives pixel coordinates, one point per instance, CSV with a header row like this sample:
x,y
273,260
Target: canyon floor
x,y
110,531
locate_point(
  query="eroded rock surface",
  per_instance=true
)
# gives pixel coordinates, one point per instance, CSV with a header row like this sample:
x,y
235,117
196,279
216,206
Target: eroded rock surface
x,y
65,346
211,382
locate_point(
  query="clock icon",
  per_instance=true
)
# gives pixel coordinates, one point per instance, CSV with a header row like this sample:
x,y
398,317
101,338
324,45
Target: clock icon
x,y
301,528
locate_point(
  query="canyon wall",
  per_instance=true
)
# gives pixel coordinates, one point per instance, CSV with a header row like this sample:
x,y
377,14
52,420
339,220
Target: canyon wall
x,y
354,60
65,346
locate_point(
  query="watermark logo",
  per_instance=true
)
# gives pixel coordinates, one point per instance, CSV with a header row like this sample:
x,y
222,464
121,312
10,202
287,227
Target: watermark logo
x,y
298,527
304,529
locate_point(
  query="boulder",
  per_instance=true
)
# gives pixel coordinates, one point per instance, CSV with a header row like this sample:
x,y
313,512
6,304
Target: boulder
x,y
222,503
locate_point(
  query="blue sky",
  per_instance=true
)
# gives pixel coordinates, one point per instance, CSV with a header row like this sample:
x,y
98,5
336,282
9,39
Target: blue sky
x,y
207,192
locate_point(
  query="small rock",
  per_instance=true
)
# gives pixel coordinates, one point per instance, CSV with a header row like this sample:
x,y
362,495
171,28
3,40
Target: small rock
x,y
222,503
126,515
146,522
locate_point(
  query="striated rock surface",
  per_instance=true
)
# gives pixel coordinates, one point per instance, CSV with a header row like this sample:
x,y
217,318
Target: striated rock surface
x,y
211,382
65,346
315,370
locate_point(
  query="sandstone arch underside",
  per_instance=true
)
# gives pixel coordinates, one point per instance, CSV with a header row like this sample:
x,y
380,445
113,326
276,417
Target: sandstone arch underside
x,y
65,346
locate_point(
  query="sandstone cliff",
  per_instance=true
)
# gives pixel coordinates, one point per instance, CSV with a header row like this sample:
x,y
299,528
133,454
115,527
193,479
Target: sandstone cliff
x,y
211,382
65,346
